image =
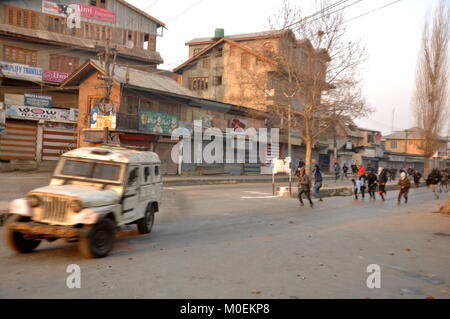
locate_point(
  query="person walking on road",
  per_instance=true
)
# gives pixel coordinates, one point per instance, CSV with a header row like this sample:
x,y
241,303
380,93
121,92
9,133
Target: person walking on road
x,y
362,172
404,184
444,181
304,186
337,172
434,180
417,176
345,170
372,183
358,187
382,180
318,179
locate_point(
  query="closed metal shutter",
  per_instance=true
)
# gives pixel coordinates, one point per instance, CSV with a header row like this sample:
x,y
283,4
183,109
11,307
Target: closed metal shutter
x,y
58,140
19,142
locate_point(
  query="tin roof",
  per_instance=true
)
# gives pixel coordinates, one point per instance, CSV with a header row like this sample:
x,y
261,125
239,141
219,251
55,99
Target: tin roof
x,y
238,37
119,155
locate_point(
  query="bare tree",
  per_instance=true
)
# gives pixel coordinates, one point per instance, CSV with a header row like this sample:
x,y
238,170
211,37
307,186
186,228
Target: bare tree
x,y
316,79
431,93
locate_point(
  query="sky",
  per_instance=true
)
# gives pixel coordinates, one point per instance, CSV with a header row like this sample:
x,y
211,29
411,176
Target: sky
x,y
391,36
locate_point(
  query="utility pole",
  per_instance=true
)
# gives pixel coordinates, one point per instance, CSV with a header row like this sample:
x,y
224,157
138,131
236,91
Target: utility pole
x,y
290,146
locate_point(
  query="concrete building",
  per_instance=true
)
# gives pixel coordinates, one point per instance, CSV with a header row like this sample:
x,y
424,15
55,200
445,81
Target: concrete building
x,y
143,110
242,70
42,43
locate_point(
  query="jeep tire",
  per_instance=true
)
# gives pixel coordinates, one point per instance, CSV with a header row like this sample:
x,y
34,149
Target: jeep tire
x,y
15,240
145,224
99,239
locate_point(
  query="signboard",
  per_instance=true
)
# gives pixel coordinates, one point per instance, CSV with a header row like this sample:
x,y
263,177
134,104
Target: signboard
x,y
102,120
29,112
95,13
157,122
54,8
21,71
37,100
2,118
54,76
281,165
68,11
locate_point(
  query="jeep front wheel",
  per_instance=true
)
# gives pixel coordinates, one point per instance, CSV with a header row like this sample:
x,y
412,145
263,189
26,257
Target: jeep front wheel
x,y
145,224
16,240
99,239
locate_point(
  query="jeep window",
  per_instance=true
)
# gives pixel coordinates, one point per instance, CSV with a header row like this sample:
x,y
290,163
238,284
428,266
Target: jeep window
x,y
157,177
133,176
147,175
91,170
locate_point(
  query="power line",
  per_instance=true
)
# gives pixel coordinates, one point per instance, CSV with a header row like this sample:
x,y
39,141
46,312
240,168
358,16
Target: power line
x,y
379,8
318,12
183,12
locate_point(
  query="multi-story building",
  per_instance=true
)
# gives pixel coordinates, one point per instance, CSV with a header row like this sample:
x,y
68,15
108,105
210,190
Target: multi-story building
x,y
242,69
41,44
404,149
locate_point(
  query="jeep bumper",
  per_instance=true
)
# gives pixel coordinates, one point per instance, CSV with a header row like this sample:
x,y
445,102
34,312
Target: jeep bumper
x,y
44,230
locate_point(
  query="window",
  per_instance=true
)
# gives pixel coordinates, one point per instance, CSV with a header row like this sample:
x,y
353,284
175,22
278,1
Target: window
x,y
217,80
146,178
133,176
62,63
245,60
198,83
393,144
98,3
196,51
19,55
157,176
91,170
219,52
206,62
96,32
56,24
21,17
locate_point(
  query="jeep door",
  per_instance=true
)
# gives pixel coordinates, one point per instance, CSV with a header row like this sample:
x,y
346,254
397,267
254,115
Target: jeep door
x,y
130,199
150,190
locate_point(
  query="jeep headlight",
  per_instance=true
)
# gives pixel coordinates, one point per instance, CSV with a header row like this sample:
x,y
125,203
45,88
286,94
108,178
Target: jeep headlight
x,y
34,201
76,206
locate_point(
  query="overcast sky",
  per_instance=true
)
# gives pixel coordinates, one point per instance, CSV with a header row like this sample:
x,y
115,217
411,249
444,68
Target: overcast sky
x,y
391,36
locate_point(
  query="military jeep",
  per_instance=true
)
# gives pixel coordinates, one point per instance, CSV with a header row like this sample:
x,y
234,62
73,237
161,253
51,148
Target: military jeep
x,y
93,191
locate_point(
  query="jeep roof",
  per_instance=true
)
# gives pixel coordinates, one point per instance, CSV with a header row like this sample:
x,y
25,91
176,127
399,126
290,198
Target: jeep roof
x,y
117,154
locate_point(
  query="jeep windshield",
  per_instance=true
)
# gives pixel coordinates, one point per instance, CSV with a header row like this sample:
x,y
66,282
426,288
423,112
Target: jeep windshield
x,y
90,170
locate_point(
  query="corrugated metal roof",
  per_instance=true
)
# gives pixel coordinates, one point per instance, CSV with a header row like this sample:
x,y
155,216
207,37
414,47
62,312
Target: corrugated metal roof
x,y
240,36
148,80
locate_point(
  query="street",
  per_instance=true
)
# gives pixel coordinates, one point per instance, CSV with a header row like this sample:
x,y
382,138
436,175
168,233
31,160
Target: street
x,y
238,241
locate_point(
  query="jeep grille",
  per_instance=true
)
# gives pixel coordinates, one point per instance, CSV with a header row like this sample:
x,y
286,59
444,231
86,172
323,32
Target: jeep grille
x,y
55,209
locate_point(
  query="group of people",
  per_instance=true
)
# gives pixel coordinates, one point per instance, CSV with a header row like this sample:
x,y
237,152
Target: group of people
x,y
366,179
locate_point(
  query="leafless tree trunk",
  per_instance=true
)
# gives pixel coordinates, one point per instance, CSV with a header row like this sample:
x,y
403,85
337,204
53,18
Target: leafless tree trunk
x,y
317,71
431,93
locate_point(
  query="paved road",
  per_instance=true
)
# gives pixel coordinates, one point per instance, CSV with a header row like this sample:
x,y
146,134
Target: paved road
x,y
225,241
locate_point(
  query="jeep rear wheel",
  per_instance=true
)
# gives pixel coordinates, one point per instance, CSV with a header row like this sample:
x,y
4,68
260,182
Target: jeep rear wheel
x,y
99,239
16,240
145,224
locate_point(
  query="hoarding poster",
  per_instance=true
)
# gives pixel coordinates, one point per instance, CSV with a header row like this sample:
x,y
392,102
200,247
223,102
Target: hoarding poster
x,y
37,100
29,112
100,119
21,71
158,122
